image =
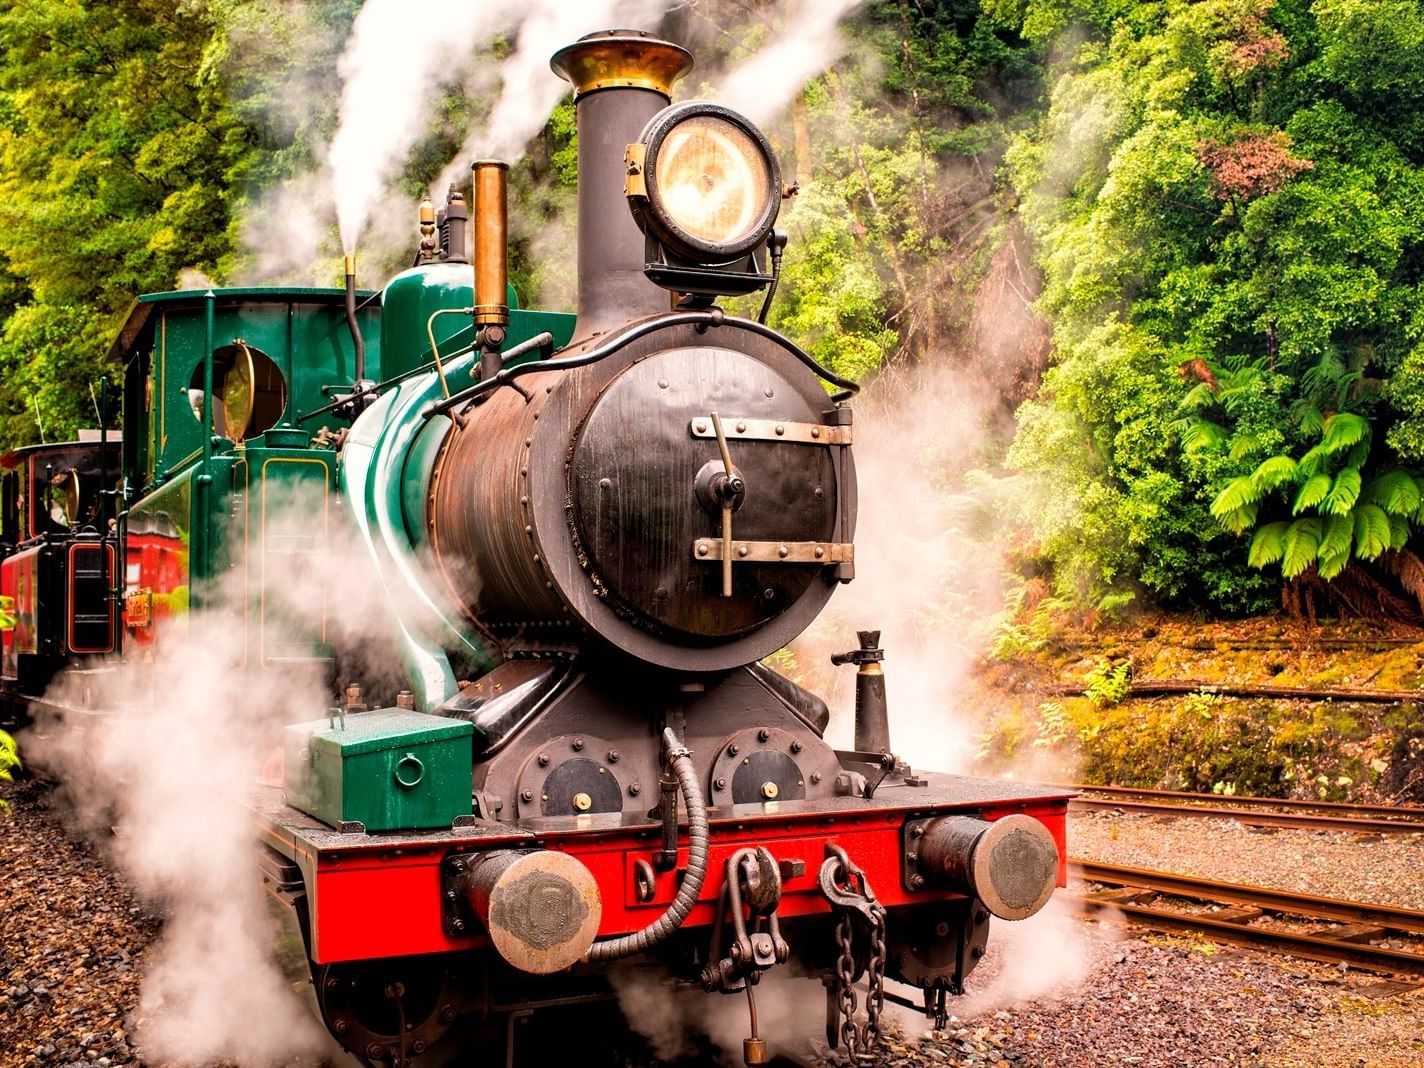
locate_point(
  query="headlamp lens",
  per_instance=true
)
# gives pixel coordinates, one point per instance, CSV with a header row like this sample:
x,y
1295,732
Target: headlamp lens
x,y
712,179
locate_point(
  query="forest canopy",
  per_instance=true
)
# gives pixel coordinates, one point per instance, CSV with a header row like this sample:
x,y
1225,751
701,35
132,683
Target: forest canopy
x,y
1180,242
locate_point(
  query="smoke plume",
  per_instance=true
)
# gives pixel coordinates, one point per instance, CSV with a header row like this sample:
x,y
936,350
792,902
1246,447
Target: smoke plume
x,y
172,764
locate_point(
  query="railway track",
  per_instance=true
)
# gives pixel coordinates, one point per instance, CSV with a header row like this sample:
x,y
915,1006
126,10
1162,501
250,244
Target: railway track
x,y
1255,811
1260,917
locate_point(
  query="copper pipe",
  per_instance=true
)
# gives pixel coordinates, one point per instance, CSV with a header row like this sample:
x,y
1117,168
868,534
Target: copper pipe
x,y
491,243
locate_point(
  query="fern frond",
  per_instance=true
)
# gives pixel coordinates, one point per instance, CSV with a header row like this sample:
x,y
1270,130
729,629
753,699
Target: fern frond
x,y
1198,434
1396,492
1338,535
1328,567
1398,532
1308,417
1311,494
1371,531
1313,461
1302,544
1342,430
1268,544
1274,471
1240,520
1199,396
1343,493
1238,493
1243,445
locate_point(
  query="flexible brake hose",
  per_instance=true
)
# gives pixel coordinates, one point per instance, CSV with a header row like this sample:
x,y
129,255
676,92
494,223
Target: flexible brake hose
x,y
626,945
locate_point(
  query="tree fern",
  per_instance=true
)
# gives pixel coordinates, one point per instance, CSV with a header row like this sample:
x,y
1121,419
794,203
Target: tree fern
x,y
1240,520
1302,544
1313,462
1329,566
1238,493
1268,544
1198,433
1273,472
1311,494
1344,493
1337,537
1199,396
1398,532
1372,531
1342,430
1243,445
1396,492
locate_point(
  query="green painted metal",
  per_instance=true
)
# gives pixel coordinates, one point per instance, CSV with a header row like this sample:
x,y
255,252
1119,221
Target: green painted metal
x,y
276,533
407,303
370,478
304,333
388,770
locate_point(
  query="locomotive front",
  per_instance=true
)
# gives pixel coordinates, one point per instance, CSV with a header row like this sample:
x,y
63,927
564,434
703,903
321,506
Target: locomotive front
x,y
626,527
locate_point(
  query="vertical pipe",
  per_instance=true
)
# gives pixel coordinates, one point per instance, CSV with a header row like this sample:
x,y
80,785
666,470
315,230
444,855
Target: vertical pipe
x,y
621,79
287,359
200,528
356,340
491,262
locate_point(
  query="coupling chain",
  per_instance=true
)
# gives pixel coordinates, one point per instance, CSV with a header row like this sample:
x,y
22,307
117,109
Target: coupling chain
x,y
845,887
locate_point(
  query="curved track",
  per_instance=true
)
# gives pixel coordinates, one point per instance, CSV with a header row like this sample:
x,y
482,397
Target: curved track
x,y
1259,917
1256,811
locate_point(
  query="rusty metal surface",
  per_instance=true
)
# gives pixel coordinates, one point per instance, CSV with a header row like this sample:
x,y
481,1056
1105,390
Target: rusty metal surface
x,y
776,552
740,429
1248,801
491,243
541,909
1324,908
1254,817
620,58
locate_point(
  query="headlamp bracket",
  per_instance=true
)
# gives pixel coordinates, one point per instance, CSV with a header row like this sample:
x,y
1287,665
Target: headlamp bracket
x,y
747,274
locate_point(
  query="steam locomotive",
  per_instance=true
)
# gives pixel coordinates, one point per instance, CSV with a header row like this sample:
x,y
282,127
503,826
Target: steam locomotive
x,y
587,531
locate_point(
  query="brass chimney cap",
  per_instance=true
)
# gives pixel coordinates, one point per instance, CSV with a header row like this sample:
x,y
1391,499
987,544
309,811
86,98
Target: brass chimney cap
x,y
616,58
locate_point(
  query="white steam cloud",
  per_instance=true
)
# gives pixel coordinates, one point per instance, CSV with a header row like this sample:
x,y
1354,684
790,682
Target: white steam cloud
x,y
810,44
172,764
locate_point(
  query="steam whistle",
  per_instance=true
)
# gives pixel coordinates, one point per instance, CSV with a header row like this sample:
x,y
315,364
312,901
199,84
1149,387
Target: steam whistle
x,y
872,718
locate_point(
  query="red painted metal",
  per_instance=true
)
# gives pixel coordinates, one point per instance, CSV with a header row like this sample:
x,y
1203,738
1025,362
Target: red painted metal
x,y
371,902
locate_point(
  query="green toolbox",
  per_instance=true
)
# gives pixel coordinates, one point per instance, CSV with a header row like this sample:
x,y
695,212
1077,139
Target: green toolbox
x,y
387,770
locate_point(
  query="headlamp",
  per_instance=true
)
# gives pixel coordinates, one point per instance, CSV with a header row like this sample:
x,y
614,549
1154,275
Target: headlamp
x,y
705,188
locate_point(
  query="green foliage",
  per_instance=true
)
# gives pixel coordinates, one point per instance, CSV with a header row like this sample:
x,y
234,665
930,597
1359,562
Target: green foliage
x,y
1109,683
1230,188
9,759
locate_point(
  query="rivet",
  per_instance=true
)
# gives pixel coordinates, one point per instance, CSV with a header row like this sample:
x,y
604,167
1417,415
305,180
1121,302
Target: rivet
x,y
783,552
529,531
769,391
548,389
605,483
578,745
700,427
536,558
818,493
917,880
634,789
733,750
526,795
796,747
741,428
815,432
543,760
701,548
719,783
815,777
613,755
917,832
742,550
662,383
820,552
912,857
524,502
524,472
528,442
780,430
763,735
977,952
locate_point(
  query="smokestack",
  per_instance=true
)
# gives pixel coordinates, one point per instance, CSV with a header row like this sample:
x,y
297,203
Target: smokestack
x,y
621,79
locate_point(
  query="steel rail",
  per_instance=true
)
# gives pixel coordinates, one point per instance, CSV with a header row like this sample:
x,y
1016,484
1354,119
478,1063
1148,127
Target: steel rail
x,y
1251,801
1253,817
1324,908
1313,946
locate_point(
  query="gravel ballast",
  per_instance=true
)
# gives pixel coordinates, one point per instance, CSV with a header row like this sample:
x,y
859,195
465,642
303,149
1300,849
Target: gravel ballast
x,y
1055,992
